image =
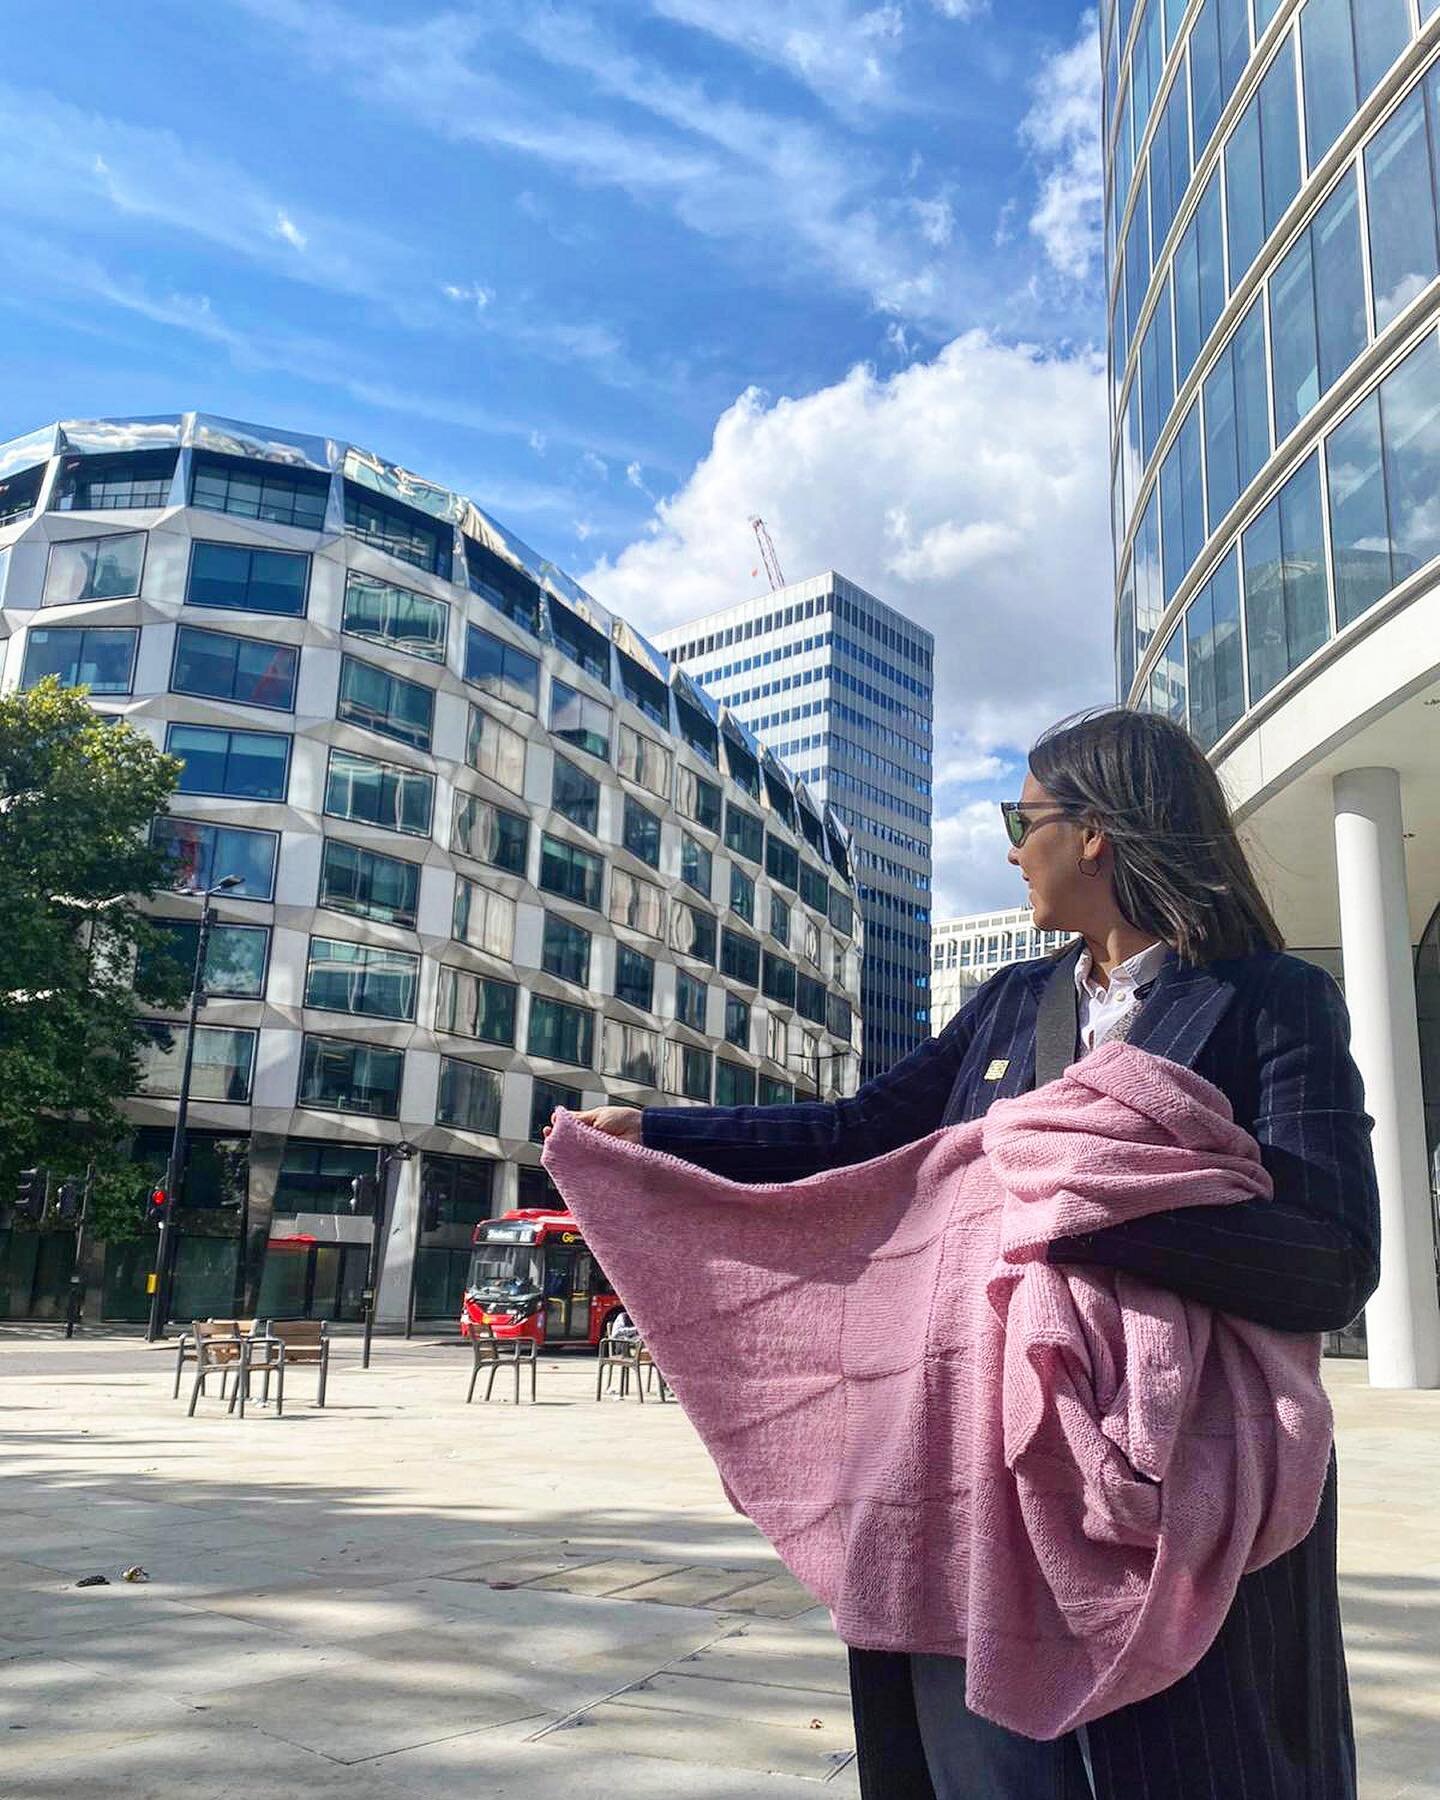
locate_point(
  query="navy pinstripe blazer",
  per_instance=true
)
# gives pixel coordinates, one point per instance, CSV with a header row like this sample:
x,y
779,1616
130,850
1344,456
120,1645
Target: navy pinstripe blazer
x,y
1269,1030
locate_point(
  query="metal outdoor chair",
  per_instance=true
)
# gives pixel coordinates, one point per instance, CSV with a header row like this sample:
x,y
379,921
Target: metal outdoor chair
x,y
489,1352
216,1346
629,1356
185,1346
305,1343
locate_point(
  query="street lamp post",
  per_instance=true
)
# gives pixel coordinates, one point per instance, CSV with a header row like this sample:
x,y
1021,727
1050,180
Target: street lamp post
x,y
827,1057
175,1170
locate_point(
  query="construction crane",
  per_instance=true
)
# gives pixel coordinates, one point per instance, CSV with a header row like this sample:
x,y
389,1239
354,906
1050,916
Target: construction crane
x,y
767,552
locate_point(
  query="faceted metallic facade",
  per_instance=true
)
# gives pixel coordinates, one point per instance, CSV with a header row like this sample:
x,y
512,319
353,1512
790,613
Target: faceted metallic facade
x,y
498,853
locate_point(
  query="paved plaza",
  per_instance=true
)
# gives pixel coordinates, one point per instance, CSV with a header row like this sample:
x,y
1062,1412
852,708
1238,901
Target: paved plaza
x,y
401,1596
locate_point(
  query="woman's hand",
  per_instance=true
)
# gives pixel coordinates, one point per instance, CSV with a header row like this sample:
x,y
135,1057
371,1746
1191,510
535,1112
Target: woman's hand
x,y
616,1121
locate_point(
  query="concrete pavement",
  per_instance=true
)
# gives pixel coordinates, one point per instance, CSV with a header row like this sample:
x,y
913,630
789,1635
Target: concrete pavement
x,y
401,1596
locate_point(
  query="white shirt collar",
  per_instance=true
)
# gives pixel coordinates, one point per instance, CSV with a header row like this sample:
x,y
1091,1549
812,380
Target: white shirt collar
x,y
1125,977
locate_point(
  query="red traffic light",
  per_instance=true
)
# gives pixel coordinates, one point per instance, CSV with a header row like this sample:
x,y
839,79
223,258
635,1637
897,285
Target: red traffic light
x,y
158,1197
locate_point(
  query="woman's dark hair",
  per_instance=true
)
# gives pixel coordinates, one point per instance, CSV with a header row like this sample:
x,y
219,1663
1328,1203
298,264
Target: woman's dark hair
x,y
1179,869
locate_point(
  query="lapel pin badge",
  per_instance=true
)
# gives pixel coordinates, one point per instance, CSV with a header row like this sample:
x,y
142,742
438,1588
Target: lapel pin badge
x,y
997,1068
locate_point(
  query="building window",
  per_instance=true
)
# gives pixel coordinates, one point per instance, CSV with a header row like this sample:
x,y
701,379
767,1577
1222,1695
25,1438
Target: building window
x,y
692,932
644,762
235,958
1216,672
249,671
475,1006
697,799
777,1038
839,1020
1345,47
385,703
744,833
1381,464
131,480
490,834
579,720
641,833
1156,376
742,894
202,854
842,912
1182,503
266,581
1237,415
499,669
634,977
814,887
370,979
378,793
484,919
630,1053
745,772
1318,315
1170,160
1199,279
580,642
777,981
691,997
575,796
1286,605
399,530
97,568
546,1098
395,616
253,490
734,1086
810,998
568,870
643,689
696,865
318,1178
468,1097
495,750
562,1033
737,1021
1167,678
782,861
339,1075
740,958
775,1093
1262,163
697,730
507,588
637,904
687,1071
248,765
367,884
223,1066
1400,198
98,657
18,494
779,920
565,950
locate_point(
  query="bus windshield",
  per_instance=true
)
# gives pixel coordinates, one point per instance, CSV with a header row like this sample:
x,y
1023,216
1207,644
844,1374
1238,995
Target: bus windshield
x,y
515,1266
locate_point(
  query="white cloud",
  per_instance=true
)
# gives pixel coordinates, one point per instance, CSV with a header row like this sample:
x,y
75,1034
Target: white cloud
x,y
968,491
1062,131
936,220
962,10
468,293
595,465
971,873
537,441
841,51
286,228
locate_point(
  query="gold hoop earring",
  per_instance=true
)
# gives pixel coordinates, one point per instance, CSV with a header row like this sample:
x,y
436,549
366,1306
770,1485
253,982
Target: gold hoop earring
x,y
1089,865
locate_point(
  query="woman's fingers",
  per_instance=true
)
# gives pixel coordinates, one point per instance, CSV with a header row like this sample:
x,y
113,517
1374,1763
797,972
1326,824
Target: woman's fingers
x,y
616,1121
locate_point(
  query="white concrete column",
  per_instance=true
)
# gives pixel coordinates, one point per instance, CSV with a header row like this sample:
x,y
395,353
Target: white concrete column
x,y
1402,1321
397,1252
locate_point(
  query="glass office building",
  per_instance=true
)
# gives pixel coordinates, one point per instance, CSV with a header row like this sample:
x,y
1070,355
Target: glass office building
x,y
498,854
1272,229
841,686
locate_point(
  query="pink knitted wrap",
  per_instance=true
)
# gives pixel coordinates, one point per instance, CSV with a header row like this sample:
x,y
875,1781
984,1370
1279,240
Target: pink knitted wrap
x,y
1057,1473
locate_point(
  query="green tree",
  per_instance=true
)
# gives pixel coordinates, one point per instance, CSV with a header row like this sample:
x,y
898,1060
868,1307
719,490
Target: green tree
x,y
77,794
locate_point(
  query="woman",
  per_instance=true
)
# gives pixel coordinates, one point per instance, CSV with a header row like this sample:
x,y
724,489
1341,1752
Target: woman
x,y
1123,838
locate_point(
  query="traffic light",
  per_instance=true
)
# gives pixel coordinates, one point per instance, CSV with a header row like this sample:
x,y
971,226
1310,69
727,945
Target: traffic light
x,y
30,1198
363,1189
69,1200
157,1202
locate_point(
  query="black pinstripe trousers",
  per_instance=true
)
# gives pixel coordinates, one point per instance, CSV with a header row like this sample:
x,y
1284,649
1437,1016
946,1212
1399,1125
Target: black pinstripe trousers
x,y
1264,1714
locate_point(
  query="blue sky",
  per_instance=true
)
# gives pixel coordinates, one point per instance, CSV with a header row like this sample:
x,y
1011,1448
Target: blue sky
x,y
626,273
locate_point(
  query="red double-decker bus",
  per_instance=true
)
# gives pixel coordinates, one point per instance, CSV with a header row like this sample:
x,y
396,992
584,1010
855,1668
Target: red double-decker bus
x,y
533,1275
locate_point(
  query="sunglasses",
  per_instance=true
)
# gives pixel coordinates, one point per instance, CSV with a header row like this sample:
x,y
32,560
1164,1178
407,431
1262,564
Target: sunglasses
x,y
1021,820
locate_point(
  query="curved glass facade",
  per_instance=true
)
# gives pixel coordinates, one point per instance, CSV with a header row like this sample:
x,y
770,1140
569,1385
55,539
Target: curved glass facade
x,y
1272,240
